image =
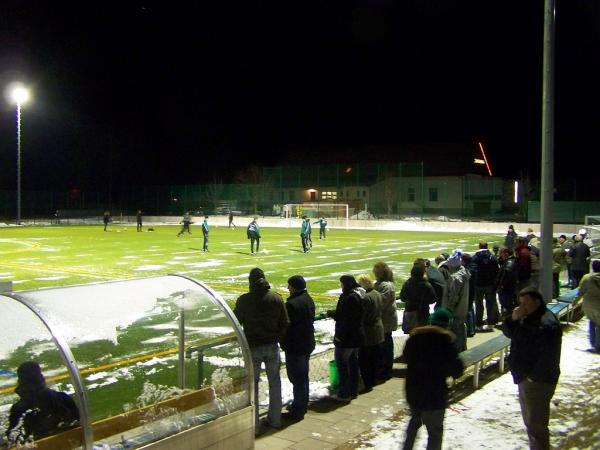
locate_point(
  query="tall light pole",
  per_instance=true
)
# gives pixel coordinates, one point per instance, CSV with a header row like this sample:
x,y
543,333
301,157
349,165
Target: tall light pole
x,y
19,95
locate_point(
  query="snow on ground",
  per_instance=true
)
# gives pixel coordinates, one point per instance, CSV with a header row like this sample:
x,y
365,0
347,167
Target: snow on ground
x,y
490,418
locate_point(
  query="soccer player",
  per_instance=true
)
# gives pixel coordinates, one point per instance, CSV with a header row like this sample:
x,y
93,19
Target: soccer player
x,y
304,233
205,234
322,227
231,224
186,224
253,233
139,220
106,219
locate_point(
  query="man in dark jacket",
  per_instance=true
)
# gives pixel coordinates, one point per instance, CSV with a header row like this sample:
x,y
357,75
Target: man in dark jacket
x,y
486,271
417,294
253,233
507,282
349,336
430,358
40,411
580,260
264,317
298,344
534,359
138,219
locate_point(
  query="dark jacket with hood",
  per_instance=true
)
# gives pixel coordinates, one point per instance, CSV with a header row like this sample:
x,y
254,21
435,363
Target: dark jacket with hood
x,y
417,294
262,313
508,275
535,346
299,338
349,330
430,359
43,411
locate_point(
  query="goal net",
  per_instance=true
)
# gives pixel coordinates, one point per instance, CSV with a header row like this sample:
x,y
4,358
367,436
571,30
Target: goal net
x,y
316,210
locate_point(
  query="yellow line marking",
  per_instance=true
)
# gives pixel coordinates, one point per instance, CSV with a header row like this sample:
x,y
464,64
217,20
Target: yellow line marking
x,y
226,338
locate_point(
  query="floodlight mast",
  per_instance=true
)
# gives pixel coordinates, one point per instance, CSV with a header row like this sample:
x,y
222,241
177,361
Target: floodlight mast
x,y
19,95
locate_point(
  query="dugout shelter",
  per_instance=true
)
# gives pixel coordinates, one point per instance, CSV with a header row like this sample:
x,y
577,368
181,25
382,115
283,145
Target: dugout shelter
x,y
157,362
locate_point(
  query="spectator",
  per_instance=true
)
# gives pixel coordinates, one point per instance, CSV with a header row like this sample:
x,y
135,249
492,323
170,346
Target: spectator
x,y
437,281
430,359
580,260
264,317
523,257
559,261
530,235
566,245
590,289
457,300
40,411
385,286
509,240
298,344
417,294
369,355
467,261
486,271
534,359
507,282
349,336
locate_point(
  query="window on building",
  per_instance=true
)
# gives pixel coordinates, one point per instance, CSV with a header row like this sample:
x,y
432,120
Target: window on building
x,y
357,194
341,194
328,195
365,194
410,194
433,194
291,195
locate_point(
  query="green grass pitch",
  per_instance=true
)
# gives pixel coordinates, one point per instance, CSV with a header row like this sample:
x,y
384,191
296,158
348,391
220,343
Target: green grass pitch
x,y
42,257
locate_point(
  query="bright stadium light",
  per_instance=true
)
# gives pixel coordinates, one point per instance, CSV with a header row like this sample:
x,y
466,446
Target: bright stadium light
x,y
19,95
516,191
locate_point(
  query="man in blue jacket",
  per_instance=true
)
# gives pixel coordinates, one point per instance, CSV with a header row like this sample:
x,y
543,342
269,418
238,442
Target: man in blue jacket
x,y
253,233
534,358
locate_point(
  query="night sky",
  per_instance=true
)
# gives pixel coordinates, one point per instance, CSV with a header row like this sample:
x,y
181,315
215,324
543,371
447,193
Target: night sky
x,y
179,92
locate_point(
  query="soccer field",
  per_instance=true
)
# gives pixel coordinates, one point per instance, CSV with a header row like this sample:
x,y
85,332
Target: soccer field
x,y
40,257
143,358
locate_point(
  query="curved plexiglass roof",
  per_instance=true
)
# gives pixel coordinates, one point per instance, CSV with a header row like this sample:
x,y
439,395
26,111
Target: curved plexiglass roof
x,y
142,358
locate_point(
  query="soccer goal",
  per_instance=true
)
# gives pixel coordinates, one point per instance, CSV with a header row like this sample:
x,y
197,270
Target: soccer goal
x,y
315,210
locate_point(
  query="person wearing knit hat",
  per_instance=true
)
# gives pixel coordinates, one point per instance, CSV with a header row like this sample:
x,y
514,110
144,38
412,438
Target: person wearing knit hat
x,y
440,317
40,411
264,317
298,343
348,337
430,358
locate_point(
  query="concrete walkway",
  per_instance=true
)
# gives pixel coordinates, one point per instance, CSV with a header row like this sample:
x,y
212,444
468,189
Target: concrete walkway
x,y
329,424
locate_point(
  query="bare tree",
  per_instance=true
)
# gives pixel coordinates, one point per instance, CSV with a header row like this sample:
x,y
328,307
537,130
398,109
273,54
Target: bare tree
x,y
256,184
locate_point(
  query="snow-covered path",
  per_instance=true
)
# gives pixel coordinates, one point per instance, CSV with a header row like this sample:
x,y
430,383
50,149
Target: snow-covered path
x,y
490,418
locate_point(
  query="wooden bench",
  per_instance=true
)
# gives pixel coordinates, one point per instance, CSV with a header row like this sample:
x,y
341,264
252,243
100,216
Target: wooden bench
x,y
113,426
475,356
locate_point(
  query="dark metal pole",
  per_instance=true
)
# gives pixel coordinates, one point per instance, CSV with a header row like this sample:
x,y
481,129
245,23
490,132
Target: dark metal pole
x,y
546,218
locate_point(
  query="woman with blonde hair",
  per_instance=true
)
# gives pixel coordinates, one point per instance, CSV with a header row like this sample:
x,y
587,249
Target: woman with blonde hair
x,y
385,286
369,354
